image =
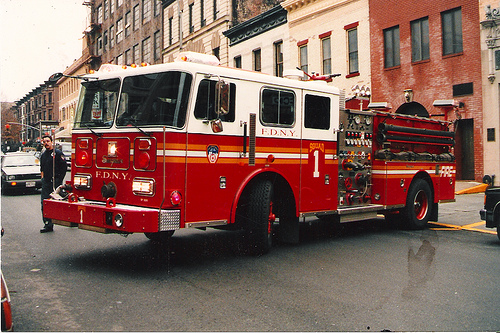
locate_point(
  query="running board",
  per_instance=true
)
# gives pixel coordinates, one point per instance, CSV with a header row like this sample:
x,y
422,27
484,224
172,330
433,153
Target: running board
x,y
359,213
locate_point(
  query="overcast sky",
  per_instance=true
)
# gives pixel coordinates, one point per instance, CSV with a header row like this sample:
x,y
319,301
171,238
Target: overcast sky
x,y
37,39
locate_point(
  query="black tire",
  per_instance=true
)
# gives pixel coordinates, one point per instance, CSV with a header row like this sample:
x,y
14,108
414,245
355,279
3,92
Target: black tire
x,y
419,204
259,221
160,237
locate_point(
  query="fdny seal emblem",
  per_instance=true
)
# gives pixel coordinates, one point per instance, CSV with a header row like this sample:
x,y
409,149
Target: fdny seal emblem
x,y
213,153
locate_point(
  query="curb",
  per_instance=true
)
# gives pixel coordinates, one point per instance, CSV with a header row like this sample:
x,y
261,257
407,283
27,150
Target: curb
x,y
475,189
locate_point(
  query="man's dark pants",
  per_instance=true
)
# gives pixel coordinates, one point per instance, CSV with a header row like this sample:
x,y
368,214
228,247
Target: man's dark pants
x,y
46,190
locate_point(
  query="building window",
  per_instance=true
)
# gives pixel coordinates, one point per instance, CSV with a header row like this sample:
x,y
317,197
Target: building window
x,y
99,15
490,132
119,59
216,52
420,39
170,30
136,17
303,58
128,59
257,61
237,62
127,23
146,11
391,47
105,40
352,39
202,13
111,6
146,50
119,31
191,26
119,3
99,45
156,7
215,10
326,53
157,46
278,58
137,56
451,21
111,36
106,6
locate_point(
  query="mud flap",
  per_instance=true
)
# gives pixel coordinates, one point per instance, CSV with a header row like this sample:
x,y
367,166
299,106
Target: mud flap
x,y
434,213
289,230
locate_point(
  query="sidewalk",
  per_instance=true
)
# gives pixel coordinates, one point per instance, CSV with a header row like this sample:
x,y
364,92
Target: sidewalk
x,y
469,200
469,187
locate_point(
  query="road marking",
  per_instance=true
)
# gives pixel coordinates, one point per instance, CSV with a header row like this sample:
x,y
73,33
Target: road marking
x,y
468,227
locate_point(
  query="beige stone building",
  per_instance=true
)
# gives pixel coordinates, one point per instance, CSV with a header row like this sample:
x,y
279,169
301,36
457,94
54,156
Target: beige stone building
x,y
490,59
331,37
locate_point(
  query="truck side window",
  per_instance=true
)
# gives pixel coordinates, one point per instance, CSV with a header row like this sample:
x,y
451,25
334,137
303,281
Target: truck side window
x,y
205,101
317,112
277,107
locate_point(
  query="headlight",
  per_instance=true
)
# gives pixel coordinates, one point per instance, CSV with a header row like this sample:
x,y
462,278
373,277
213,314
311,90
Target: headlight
x,y
143,186
82,181
11,177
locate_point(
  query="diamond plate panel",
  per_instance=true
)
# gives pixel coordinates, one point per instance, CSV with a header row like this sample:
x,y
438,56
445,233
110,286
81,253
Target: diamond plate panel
x,y
170,220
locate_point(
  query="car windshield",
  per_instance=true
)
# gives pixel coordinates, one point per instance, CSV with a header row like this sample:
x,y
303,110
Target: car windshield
x,y
97,103
154,99
20,160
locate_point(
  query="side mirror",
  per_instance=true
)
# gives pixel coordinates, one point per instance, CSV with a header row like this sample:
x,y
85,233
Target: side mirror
x,y
216,126
222,98
55,77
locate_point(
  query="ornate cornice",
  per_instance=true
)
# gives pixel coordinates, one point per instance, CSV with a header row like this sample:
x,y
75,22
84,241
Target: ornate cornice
x,y
257,25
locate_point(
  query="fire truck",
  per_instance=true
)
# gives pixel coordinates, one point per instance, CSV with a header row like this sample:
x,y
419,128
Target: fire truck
x,y
192,144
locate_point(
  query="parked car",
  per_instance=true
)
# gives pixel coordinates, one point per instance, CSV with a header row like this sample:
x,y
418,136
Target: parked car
x,y
20,171
65,147
491,211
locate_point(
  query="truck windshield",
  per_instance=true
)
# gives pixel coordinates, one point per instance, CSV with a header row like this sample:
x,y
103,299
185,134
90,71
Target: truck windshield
x,y
97,103
154,99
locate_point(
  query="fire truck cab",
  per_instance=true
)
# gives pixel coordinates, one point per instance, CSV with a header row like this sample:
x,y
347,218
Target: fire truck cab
x,y
192,144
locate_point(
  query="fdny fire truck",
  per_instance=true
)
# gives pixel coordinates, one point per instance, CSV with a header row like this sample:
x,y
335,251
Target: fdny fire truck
x,y
192,144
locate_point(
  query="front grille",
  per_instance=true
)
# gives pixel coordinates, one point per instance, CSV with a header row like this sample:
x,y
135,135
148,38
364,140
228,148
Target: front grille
x,y
170,220
28,177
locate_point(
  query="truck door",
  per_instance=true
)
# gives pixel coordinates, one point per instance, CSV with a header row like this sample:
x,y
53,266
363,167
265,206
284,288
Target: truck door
x,y
319,168
212,153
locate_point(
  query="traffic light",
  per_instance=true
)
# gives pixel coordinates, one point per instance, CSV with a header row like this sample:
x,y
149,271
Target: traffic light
x,y
7,127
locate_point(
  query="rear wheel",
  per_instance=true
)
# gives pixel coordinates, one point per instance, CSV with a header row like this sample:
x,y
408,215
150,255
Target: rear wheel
x,y
260,218
418,208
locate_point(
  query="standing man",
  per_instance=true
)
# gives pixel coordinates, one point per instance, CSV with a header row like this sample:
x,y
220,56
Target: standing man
x,y
52,162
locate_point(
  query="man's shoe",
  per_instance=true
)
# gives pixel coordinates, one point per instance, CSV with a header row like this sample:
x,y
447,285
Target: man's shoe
x,y
44,230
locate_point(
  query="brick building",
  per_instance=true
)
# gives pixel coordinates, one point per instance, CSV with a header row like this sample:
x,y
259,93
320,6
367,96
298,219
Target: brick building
x,y
432,50
125,31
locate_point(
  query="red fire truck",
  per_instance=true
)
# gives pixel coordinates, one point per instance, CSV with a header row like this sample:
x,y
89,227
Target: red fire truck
x,y
192,144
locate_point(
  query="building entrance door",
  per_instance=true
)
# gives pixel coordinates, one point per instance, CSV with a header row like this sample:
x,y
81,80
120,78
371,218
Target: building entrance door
x,y
465,149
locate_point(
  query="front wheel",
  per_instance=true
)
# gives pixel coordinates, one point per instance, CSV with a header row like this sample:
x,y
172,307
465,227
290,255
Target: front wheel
x,y
260,218
418,208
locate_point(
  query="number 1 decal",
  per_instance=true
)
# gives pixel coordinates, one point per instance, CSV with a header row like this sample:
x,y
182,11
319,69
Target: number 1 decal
x,y
316,164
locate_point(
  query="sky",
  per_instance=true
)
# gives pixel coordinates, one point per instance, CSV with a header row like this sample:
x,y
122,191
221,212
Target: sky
x,y
37,39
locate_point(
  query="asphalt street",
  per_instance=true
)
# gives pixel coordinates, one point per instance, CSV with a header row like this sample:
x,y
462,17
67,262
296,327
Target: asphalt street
x,y
366,276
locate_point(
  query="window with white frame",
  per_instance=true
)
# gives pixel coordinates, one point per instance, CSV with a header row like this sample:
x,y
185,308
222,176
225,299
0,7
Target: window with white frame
x,y
352,39
326,54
